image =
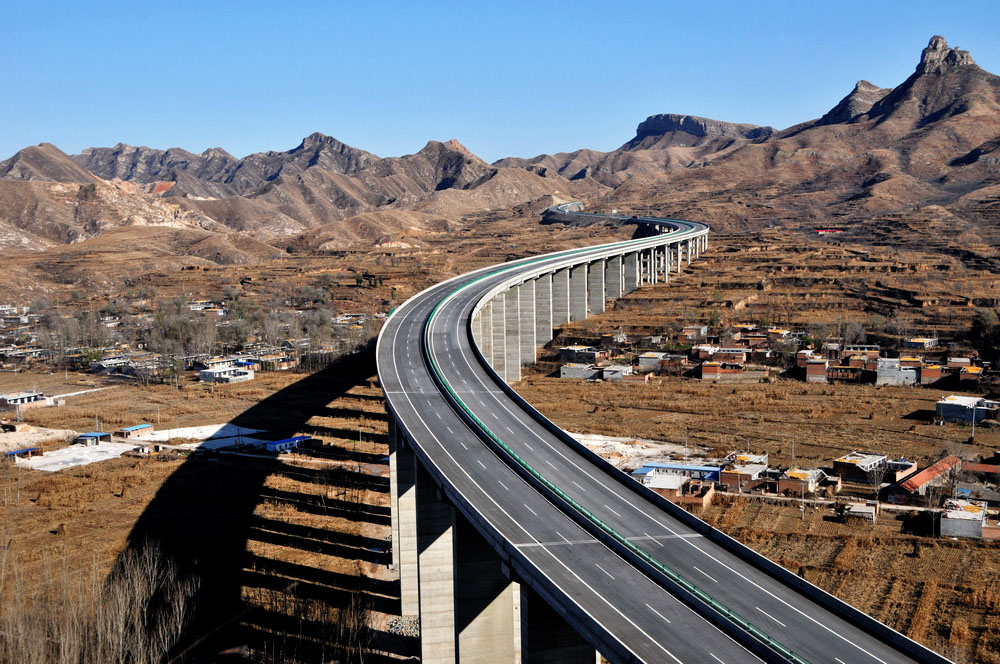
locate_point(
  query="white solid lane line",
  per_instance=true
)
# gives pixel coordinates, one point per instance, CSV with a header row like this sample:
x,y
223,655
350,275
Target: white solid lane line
x,y
703,572
770,616
658,613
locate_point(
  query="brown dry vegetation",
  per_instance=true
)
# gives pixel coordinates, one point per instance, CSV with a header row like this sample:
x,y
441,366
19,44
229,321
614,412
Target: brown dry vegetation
x,y
289,555
943,593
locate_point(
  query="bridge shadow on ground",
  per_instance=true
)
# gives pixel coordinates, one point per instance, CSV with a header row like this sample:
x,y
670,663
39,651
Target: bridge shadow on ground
x,y
290,559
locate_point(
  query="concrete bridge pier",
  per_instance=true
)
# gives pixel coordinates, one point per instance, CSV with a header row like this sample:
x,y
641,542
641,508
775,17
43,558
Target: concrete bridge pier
x,y
499,365
678,247
560,297
435,572
651,266
543,309
578,292
613,278
487,602
546,637
632,272
512,314
403,519
595,286
526,306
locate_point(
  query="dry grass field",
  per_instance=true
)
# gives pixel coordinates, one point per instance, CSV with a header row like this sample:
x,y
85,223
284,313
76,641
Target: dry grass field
x,y
290,553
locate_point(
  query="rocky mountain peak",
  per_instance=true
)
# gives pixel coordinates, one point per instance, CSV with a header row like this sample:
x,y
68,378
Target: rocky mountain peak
x,y
937,56
859,101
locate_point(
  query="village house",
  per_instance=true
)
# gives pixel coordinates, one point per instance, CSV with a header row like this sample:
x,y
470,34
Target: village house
x,y
585,354
579,370
919,484
800,481
22,400
958,408
920,343
855,466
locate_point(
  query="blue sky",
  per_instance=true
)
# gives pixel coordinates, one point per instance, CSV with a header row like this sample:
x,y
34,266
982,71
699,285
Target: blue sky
x,y
504,78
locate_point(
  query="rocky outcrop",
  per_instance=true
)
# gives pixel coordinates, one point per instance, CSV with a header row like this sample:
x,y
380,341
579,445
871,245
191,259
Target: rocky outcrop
x,y
937,56
658,125
858,102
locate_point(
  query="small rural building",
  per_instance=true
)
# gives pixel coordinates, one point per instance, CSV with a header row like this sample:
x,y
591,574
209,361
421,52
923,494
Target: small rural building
x,y
615,373
286,445
816,370
720,371
868,350
930,374
586,354
227,374
92,438
959,362
844,374
743,477
957,408
920,343
963,518
128,432
803,356
22,400
25,453
647,472
970,375
891,372
800,481
911,362
579,370
918,484
867,511
897,470
855,466
650,361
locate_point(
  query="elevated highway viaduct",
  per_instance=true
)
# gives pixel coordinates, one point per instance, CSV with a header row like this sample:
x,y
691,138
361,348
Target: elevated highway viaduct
x,y
514,543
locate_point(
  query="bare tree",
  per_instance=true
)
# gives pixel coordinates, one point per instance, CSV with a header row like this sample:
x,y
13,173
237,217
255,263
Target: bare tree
x,y
875,475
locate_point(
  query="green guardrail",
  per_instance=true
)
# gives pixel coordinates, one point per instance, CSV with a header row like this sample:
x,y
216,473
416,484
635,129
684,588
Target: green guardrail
x,y
671,574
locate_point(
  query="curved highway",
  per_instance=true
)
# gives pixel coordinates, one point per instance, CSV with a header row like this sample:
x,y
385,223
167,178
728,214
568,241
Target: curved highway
x,y
631,568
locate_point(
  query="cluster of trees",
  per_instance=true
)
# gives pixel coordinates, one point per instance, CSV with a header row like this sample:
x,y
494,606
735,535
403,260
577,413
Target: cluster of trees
x,y
136,614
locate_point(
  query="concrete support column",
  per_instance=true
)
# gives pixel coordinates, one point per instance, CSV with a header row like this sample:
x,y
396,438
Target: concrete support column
x,y
486,601
678,245
632,272
560,297
526,305
651,263
664,262
595,286
578,292
543,309
403,494
512,335
436,560
689,251
486,343
500,335
546,638
613,278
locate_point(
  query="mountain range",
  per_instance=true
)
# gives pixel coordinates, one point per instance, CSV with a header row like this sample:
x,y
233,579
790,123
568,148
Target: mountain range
x,y
930,144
